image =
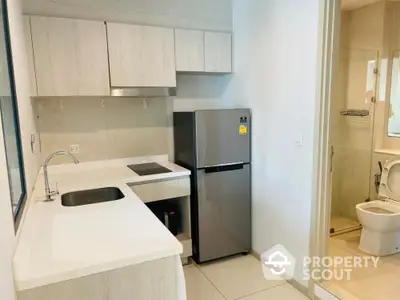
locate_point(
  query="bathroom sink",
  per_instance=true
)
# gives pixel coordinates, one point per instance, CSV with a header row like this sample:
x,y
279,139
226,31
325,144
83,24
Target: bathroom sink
x,y
86,197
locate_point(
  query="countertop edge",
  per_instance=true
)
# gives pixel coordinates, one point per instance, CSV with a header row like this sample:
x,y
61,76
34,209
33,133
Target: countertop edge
x,y
91,270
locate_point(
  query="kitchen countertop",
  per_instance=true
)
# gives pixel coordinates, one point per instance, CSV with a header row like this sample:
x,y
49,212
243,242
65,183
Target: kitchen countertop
x,y
58,243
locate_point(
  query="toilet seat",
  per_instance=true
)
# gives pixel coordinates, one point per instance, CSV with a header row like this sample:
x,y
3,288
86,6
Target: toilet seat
x,y
390,175
388,191
380,207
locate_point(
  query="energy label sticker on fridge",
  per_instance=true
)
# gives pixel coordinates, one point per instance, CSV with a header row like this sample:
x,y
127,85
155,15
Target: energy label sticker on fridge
x,y
243,129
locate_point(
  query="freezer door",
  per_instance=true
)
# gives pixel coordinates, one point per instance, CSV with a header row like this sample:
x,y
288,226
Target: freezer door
x,y
224,212
222,137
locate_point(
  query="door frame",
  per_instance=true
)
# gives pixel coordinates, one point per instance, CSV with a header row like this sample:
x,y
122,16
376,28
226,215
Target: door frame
x,y
329,28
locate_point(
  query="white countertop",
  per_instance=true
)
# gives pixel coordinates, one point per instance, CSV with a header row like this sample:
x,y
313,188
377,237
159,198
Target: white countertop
x,y
58,243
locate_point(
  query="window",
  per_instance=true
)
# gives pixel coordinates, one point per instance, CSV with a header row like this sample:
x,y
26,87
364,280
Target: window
x,y
394,110
9,118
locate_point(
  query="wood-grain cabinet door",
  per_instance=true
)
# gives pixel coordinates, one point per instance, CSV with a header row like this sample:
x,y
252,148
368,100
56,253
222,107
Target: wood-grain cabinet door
x,y
189,50
218,52
141,56
70,57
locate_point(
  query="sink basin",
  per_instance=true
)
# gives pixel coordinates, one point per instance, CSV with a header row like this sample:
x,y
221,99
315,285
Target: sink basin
x,y
87,197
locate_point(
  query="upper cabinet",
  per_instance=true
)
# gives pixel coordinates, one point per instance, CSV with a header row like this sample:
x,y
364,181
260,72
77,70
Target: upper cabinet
x,y
70,57
189,50
203,51
141,56
218,52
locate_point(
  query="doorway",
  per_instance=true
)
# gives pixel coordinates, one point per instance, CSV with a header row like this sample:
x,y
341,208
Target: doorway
x,y
359,134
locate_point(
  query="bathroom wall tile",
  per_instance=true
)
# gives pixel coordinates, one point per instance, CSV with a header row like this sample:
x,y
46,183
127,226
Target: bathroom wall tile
x,y
352,137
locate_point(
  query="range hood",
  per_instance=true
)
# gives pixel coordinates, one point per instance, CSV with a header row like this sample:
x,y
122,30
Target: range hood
x,y
143,92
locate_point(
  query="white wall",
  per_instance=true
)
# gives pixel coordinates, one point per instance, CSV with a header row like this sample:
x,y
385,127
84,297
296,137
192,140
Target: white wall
x,y
7,238
204,14
22,85
275,63
203,92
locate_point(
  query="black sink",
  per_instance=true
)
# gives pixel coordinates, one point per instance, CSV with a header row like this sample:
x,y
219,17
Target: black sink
x,y
87,197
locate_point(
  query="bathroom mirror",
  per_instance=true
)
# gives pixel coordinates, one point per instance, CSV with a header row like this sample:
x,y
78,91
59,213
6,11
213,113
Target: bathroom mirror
x,y
9,118
394,107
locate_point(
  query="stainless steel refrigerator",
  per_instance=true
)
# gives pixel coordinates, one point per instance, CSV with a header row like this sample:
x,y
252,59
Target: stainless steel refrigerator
x,y
215,146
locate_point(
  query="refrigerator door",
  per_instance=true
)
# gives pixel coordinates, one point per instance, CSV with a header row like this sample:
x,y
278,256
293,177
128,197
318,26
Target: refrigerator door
x,y
224,212
222,137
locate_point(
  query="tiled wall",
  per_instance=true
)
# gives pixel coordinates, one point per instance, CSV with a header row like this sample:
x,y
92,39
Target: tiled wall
x,y
105,128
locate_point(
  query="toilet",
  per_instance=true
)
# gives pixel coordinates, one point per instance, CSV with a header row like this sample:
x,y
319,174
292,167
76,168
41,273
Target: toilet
x,y
380,219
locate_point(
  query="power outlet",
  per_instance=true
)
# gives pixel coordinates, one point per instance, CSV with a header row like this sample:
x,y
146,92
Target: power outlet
x,y
74,149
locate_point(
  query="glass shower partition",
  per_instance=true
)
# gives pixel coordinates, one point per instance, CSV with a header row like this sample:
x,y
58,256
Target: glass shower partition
x,y
352,138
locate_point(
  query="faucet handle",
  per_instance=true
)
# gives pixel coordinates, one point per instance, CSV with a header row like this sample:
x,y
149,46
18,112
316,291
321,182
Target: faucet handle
x,y
56,192
53,192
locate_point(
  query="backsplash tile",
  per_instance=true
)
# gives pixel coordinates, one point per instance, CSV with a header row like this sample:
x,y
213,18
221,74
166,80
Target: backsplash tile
x,y
105,128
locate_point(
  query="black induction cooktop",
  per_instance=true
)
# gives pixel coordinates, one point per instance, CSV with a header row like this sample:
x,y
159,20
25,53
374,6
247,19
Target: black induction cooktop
x,y
148,169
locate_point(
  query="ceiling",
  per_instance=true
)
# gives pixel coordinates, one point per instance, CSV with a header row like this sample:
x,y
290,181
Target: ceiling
x,y
354,4
197,14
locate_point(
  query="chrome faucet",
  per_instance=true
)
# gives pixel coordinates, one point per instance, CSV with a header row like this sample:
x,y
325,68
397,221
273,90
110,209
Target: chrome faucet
x,y
50,193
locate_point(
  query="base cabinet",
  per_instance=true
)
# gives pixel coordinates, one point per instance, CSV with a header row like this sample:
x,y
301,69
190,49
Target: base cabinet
x,y
156,280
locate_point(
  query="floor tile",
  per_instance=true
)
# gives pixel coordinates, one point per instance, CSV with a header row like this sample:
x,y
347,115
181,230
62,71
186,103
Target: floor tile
x,y
384,285
349,242
282,292
338,291
322,293
394,259
238,277
365,283
198,287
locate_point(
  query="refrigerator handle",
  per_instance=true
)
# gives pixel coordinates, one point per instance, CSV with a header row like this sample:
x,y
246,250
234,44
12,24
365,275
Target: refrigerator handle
x,y
223,168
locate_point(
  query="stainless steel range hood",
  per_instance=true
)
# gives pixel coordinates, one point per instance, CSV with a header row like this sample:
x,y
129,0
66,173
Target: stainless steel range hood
x,y
143,92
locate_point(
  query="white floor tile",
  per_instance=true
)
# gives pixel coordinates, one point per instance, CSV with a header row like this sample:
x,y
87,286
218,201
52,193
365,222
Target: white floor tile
x,y
282,292
198,287
238,277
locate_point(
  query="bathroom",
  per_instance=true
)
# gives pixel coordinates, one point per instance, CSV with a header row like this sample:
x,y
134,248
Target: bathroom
x,y
365,139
